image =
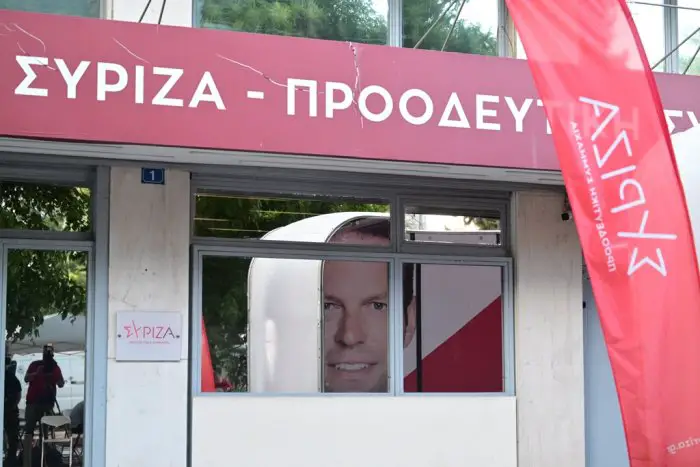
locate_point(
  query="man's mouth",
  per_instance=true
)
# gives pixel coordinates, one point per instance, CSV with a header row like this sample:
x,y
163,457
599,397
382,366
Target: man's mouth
x,y
351,366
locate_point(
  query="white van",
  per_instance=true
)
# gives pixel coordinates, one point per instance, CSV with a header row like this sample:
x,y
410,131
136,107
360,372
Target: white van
x,y
72,366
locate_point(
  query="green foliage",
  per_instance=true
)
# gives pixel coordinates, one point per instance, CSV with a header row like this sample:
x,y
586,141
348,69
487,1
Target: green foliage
x,y
89,8
353,20
694,68
41,283
483,223
44,207
225,311
348,20
239,217
419,15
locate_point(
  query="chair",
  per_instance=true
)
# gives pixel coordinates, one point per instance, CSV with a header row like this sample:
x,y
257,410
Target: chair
x,y
78,444
54,422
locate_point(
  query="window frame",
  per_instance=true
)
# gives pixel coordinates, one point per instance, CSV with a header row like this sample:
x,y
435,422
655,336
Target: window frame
x,y
422,248
37,169
508,323
76,177
394,191
395,261
504,41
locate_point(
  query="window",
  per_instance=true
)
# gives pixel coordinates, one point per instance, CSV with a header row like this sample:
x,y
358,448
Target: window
x,y
243,217
88,8
362,21
425,224
44,207
280,325
48,297
454,320
339,302
688,23
461,26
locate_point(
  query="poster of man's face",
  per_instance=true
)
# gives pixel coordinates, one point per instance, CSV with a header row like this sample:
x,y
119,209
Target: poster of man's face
x,y
317,324
356,315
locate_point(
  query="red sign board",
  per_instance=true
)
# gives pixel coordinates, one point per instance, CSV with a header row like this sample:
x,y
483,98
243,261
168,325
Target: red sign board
x,y
69,78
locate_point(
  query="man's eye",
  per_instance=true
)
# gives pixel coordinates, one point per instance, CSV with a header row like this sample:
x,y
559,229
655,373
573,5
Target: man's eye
x,y
327,306
379,306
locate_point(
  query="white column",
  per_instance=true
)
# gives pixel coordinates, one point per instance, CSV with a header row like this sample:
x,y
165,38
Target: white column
x,y
148,271
548,334
176,12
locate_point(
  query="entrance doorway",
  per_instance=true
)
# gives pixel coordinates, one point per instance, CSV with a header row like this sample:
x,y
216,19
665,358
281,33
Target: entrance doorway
x,y
45,303
605,436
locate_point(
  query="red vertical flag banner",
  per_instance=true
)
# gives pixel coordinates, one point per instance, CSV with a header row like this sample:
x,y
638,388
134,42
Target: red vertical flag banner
x,y
620,174
208,383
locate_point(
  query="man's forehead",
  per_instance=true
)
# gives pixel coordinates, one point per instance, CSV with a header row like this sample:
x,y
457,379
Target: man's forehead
x,y
358,279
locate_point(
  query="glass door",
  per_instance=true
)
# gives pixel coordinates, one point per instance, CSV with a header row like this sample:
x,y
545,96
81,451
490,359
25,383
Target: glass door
x,y
45,305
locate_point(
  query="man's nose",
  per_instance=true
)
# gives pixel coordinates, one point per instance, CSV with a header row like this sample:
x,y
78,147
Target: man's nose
x,y
351,331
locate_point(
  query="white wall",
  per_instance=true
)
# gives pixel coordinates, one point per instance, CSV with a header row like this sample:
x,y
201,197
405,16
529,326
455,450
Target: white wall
x,y
176,13
148,271
351,431
548,334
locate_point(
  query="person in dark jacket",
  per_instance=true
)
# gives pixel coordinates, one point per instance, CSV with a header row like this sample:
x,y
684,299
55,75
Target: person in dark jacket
x,y
13,394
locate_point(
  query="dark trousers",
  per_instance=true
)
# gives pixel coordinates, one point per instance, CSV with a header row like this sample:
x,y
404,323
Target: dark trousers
x,y
11,426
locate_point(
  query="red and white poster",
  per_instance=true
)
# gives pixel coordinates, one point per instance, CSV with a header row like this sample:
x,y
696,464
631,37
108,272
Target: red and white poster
x,y
460,333
593,76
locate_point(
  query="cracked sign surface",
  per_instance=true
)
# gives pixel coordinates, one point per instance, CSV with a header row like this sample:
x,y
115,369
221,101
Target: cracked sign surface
x,y
208,89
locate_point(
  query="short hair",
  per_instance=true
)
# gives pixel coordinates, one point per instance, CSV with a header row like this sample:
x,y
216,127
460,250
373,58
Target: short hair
x,y
379,227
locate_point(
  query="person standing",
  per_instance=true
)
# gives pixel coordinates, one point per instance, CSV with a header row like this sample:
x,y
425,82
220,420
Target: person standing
x,y
44,377
13,394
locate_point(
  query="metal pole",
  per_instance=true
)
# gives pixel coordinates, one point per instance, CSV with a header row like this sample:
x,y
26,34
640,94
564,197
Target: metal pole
x,y
145,10
454,23
687,67
442,15
162,10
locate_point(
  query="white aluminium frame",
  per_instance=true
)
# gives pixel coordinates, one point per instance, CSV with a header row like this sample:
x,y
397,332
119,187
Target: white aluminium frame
x,y
8,245
96,245
398,193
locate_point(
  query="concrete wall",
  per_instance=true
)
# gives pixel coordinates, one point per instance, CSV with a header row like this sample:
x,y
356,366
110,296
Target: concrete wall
x,y
421,431
548,334
148,271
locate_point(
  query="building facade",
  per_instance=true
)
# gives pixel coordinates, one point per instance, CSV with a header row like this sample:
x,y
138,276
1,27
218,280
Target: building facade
x,y
226,174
